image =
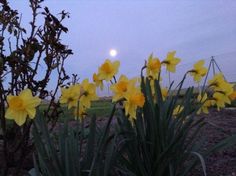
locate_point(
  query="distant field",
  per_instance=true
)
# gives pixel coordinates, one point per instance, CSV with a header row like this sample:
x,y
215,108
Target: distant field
x,y
102,108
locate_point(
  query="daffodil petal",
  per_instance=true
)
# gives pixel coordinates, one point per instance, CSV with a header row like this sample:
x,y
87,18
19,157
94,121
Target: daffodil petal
x,y
21,118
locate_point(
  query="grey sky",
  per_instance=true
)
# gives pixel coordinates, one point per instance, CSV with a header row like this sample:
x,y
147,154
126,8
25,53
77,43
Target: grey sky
x,y
195,29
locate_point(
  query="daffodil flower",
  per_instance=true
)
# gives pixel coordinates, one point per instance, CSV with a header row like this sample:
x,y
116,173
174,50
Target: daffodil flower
x,y
80,111
22,106
88,93
120,88
134,99
220,100
220,85
108,70
171,61
164,93
225,88
153,67
198,71
216,81
97,81
70,95
206,103
232,96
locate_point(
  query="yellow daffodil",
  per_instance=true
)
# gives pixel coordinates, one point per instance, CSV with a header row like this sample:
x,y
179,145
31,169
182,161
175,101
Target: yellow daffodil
x,y
171,61
108,69
121,87
164,92
205,103
80,112
225,88
22,106
134,99
198,71
220,100
70,95
97,81
232,96
221,90
88,93
153,67
216,81
178,109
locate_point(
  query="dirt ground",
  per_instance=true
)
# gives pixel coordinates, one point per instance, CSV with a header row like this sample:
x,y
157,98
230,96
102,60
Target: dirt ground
x,y
220,125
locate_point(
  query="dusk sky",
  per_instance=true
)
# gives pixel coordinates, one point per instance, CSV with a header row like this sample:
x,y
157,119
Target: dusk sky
x,y
196,29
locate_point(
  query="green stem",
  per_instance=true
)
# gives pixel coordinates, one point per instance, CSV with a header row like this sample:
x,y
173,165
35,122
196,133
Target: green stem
x,y
115,79
82,135
102,139
169,78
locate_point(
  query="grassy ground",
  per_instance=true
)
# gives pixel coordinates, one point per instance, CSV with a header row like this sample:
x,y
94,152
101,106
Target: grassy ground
x,y
101,108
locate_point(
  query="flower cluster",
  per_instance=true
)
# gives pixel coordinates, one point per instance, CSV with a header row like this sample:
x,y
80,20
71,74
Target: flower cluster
x,y
129,91
126,92
79,96
221,91
153,66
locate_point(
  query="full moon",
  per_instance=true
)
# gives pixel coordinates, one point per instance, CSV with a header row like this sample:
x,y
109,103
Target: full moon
x,y
113,52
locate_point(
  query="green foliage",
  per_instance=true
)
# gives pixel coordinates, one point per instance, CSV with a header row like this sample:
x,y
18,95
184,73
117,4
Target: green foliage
x,y
74,152
157,143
